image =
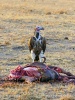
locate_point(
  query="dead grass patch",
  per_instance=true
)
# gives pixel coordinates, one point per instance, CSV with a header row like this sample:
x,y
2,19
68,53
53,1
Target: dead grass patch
x,y
29,97
7,43
71,87
67,97
18,19
48,13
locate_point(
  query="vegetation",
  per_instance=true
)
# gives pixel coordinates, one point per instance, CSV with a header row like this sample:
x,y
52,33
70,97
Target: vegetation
x,y
17,21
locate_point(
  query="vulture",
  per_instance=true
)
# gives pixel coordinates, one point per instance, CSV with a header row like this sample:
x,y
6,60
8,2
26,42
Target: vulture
x,y
37,45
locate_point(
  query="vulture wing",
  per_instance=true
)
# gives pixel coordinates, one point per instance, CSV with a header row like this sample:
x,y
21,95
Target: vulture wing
x,y
43,44
31,43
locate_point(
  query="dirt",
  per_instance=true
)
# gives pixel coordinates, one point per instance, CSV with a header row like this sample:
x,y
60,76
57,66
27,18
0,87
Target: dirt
x,y
17,22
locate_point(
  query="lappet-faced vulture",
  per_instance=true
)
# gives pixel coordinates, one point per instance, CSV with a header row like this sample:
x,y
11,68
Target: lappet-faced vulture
x,y
37,45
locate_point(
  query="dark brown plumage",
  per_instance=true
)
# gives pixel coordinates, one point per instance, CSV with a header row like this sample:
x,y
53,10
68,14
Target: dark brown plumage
x,y
37,46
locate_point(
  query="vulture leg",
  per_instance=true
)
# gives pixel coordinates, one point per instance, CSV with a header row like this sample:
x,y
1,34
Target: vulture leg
x,y
41,55
33,55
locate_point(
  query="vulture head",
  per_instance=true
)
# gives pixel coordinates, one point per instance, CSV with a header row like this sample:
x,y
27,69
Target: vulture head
x,y
38,28
37,31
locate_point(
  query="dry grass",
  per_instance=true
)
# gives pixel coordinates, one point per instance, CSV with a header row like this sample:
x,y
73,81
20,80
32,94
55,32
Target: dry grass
x,y
17,21
67,97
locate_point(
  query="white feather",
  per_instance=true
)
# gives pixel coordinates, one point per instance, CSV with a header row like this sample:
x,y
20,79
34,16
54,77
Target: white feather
x,y
41,55
32,55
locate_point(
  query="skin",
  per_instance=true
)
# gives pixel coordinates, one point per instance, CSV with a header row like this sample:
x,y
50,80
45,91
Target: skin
x,y
47,73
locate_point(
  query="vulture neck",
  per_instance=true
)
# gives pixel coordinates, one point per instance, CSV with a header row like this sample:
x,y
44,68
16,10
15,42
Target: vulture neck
x,y
37,35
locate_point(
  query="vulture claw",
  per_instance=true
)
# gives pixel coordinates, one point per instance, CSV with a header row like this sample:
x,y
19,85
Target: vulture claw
x,y
44,59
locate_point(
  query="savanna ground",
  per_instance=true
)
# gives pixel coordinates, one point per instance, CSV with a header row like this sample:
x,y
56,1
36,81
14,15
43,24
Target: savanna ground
x,y
17,21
